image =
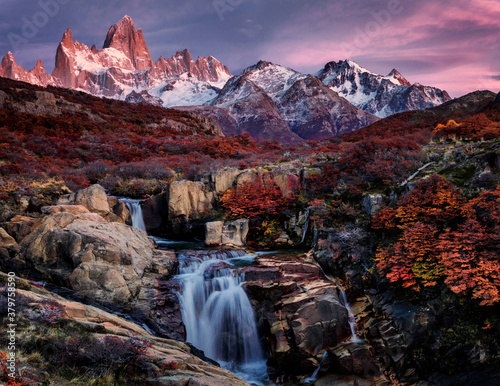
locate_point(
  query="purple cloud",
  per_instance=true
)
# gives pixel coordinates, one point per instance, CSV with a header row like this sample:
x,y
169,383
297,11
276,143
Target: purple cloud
x,y
454,45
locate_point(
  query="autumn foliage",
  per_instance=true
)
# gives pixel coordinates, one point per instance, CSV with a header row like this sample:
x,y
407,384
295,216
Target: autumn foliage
x,y
441,237
255,199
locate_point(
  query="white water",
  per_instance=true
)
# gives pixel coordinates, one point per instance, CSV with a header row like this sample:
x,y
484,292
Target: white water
x,y
345,303
313,377
217,313
306,225
352,319
134,206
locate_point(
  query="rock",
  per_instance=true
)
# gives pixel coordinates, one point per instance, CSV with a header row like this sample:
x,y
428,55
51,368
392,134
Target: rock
x,y
283,238
320,323
94,199
3,97
213,233
20,226
223,179
24,203
287,179
45,104
299,312
7,241
373,203
73,209
355,359
102,261
120,210
155,213
246,177
8,249
232,233
188,200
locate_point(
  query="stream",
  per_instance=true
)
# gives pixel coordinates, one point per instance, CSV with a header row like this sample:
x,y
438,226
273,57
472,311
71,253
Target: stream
x,y
216,311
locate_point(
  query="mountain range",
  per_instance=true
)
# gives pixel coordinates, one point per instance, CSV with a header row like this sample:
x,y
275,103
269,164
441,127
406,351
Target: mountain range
x,y
268,101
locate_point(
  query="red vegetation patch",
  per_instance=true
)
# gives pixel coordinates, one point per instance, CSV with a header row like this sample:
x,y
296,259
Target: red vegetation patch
x,y
441,237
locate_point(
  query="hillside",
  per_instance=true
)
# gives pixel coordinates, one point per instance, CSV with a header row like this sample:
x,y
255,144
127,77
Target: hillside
x,y
403,214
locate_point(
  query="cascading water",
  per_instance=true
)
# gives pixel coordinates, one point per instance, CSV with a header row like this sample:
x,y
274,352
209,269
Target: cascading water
x,y
345,303
352,319
313,377
134,206
306,225
217,313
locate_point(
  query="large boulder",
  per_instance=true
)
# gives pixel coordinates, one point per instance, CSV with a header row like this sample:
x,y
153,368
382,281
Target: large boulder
x,y
45,104
107,263
8,247
299,313
93,198
231,233
188,200
155,213
223,179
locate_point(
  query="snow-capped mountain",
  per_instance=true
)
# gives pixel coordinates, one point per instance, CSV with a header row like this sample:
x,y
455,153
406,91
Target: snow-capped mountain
x,y
268,101
124,69
377,94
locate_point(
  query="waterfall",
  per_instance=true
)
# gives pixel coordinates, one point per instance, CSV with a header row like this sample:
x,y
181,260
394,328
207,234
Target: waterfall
x,y
306,225
134,206
217,313
313,377
345,303
352,319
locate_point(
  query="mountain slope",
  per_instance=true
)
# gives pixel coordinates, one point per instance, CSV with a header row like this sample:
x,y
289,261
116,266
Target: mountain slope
x,y
377,94
285,102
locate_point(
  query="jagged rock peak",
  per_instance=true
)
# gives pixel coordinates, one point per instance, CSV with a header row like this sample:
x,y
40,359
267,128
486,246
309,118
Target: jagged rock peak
x,y
184,55
39,66
9,56
400,78
123,37
259,66
67,39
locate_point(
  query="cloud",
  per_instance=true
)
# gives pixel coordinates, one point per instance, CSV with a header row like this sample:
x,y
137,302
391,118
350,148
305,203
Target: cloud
x,y
450,44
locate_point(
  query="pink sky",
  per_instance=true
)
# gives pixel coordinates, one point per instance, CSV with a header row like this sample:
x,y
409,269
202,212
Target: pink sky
x,y
451,44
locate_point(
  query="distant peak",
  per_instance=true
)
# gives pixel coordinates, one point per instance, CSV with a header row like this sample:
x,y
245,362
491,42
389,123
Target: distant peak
x,y
94,48
126,20
9,56
400,78
263,64
125,28
67,39
126,39
8,59
184,54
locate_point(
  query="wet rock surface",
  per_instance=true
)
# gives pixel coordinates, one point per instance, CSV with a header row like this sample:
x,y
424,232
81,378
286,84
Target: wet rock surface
x,y
299,313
